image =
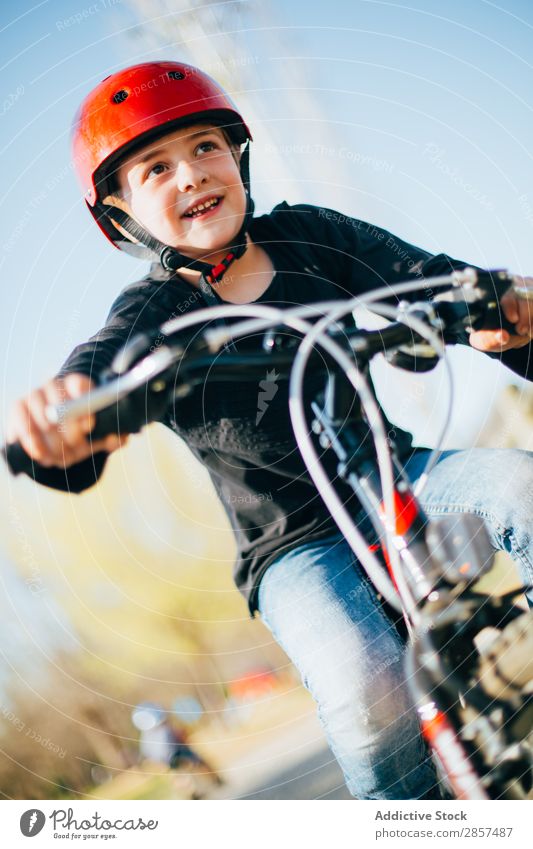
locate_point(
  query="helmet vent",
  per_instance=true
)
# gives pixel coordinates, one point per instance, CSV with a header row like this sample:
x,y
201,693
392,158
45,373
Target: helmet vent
x,y
176,75
120,96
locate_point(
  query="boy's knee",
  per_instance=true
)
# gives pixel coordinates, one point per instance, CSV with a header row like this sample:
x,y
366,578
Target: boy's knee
x,y
512,484
365,700
494,483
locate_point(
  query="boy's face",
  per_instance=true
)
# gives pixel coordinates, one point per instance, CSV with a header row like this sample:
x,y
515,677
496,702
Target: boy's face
x,y
163,181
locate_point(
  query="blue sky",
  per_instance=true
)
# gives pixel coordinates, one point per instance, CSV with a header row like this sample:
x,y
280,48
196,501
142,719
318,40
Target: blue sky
x,y
426,109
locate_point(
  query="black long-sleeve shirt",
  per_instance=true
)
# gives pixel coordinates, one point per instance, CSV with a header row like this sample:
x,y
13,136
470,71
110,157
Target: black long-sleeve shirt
x,y
244,438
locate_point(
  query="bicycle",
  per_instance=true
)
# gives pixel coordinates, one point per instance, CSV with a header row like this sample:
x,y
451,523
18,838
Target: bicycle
x,y
469,661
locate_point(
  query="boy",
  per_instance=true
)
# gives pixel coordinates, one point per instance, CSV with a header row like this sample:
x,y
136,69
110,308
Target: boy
x,y
159,151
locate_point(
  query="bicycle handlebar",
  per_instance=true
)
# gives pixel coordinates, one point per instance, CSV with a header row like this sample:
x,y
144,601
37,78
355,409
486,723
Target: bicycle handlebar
x,y
141,382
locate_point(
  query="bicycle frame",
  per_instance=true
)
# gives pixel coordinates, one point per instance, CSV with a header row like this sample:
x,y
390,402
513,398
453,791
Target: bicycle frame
x,y
439,561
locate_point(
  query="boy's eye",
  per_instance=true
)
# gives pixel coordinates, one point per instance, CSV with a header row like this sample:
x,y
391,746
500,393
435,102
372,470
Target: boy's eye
x,y
206,147
156,169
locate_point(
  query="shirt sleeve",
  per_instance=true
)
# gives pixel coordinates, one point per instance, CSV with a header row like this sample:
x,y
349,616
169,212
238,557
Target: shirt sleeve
x,y
135,310
130,314
363,256
74,479
367,257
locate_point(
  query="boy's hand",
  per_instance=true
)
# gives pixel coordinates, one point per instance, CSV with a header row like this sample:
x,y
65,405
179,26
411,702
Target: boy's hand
x,y
61,444
519,312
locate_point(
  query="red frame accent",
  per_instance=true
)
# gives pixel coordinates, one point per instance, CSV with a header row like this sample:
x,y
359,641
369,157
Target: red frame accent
x,y
405,509
443,739
406,512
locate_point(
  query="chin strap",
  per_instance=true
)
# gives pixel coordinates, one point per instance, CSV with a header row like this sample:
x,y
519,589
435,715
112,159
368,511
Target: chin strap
x,y
170,258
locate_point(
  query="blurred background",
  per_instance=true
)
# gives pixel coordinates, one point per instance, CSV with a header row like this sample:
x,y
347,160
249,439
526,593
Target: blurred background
x,y
418,118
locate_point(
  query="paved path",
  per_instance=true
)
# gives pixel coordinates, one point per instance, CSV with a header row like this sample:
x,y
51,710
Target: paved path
x,y
295,764
317,777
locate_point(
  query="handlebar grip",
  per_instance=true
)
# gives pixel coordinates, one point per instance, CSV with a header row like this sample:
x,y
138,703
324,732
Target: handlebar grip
x,y
127,416
107,422
494,319
494,284
131,413
17,461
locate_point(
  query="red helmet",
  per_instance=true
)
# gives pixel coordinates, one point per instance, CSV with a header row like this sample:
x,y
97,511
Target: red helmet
x,y
134,106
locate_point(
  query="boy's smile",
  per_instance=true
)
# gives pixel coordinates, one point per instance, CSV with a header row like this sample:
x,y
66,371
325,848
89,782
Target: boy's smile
x,y
186,189
203,206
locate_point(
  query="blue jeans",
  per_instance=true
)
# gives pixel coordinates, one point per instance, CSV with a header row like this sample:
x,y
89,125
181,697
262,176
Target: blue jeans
x,y
322,609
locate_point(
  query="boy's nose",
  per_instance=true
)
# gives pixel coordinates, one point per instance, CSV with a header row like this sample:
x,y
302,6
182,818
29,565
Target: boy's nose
x,y
189,175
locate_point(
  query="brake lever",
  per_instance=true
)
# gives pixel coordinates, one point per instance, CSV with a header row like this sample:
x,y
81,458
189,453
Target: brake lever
x,y
480,292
